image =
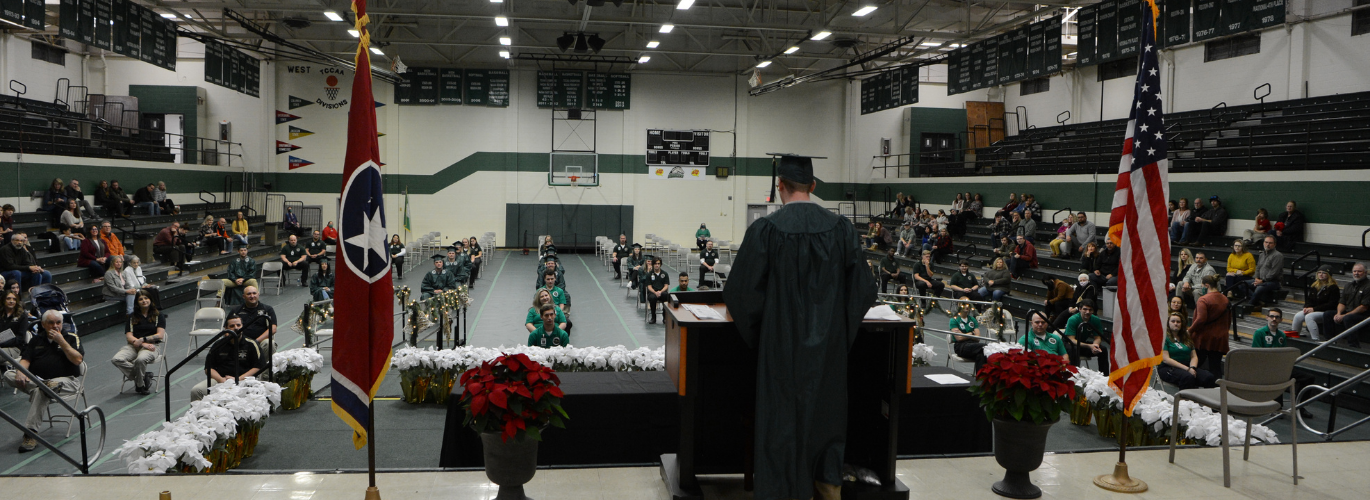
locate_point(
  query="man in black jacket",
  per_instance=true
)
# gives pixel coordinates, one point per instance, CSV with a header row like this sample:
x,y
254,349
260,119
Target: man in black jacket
x,y
1212,222
147,197
73,192
231,357
1288,229
1108,265
19,265
621,251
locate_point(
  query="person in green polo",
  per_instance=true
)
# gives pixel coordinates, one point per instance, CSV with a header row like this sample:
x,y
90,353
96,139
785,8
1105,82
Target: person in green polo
x,y
1040,339
1272,335
1085,334
534,322
684,284
549,335
701,236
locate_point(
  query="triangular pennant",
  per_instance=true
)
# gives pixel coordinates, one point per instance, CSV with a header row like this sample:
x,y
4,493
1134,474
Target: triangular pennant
x,y
282,117
379,104
285,147
299,163
296,102
380,134
296,133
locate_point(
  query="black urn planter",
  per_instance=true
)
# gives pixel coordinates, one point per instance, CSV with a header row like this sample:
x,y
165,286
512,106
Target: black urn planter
x,y
1018,447
510,464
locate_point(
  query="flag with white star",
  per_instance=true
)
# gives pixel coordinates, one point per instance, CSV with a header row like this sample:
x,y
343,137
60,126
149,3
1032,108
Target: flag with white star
x,y
364,300
1138,225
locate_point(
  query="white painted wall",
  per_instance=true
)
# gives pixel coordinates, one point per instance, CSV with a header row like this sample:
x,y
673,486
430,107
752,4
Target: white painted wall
x,y
17,63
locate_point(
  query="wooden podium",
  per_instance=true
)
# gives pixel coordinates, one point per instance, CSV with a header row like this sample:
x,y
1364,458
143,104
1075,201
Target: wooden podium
x,y
714,373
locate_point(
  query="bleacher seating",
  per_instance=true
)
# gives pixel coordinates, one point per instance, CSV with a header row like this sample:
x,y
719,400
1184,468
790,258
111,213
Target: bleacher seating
x,y
37,127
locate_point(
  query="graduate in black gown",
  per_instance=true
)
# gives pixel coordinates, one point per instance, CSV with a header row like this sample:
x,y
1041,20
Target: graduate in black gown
x,y
799,289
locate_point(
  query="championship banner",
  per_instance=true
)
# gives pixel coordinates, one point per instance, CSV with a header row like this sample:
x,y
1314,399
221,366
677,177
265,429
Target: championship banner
x,y
677,172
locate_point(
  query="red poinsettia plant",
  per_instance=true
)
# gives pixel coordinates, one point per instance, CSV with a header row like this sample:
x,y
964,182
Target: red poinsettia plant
x,y
1024,385
513,396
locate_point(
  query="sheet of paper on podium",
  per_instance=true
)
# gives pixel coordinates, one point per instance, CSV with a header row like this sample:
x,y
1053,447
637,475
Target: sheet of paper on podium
x,y
946,379
702,311
882,313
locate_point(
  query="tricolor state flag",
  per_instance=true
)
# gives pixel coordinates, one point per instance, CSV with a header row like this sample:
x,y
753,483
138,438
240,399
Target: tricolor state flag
x,y
363,328
1138,224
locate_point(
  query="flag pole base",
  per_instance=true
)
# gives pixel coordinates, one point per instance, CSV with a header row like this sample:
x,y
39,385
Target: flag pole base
x,y
373,493
1119,481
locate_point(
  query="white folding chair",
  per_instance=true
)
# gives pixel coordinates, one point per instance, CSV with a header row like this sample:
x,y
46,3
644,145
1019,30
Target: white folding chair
x,y
158,363
951,353
274,271
720,269
207,323
324,336
76,400
214,287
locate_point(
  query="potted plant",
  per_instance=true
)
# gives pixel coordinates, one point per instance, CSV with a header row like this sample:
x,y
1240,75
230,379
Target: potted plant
x,y
509,401
1023,394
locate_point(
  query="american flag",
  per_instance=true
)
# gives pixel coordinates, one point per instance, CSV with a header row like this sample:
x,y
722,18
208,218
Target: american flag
x,y
1138,224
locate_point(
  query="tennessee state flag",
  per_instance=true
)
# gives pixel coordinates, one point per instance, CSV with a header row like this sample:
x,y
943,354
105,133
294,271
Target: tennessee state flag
x,y
363,325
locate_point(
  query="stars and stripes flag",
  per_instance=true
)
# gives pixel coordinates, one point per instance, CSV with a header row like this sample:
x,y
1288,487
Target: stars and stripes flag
x,y
1138,224
363,326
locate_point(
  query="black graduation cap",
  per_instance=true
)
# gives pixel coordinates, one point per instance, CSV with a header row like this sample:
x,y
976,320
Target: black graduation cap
x,y
637,245
439,257
551,257
795,168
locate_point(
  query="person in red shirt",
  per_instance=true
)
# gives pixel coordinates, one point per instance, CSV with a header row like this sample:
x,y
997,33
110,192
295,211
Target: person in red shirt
x,y
1024,257
330,234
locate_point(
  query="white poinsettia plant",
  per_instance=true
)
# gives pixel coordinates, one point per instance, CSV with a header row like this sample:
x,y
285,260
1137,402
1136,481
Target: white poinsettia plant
x,y
1156,407
560,358
993,348
217,417
293,363
922,355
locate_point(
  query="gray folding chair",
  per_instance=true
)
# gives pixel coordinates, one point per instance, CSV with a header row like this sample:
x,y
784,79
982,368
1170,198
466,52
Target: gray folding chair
x,y
214,287
1253,379
273,270
207,323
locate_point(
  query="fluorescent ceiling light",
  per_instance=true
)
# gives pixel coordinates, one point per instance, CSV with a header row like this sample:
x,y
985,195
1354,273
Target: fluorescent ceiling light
x,y
930,44
503,53
763,64
666,28
653,44
188,16
644,59
504,40
821,35
354,33
496,1
377,51
332,16
684,4
169,16
864,10
1072,54
792,50
501,21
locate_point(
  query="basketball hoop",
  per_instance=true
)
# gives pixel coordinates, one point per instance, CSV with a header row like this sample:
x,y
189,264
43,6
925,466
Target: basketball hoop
x,y
575,181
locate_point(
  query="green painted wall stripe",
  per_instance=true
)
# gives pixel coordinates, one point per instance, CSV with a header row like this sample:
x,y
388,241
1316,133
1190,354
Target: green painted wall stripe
x,y
37,176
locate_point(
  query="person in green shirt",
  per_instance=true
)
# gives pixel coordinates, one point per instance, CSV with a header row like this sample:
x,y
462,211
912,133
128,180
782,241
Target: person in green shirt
x,y
437,281
889,270
684,283
293,257
242,273
549,335
963,282
1272,335
635,272
907,309
1179,366
534,320
963,322
1040,339
1085,332
560,298
550,264
701,236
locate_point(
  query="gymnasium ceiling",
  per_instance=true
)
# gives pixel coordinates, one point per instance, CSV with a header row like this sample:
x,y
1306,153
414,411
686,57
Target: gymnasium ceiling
x,y
711,36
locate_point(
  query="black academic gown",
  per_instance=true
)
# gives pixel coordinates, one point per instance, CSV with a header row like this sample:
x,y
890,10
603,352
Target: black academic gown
x,y
797,293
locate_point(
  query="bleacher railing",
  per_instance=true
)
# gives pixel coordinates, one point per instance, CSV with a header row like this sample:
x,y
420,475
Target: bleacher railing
x,y
81,416
191,149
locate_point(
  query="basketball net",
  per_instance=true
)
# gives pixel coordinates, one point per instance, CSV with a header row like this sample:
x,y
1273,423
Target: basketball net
x,y
575,180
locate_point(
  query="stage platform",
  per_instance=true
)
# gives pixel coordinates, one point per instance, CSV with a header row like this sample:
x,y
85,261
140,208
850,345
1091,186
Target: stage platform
x,y
1329,470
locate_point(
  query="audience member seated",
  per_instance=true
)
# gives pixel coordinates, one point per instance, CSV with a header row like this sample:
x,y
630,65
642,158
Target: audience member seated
x,y
560,298
1024,257
1084,290
1031,209
963,283
438,280
1059,293
534,321
397,253
1177,272
146,329
112,241
1267,276
907,309
889,271
54,200
996,284
294,258
1321,296
259,320
1190,287
701,236
708,258
164,204
940,245
1026,226
1005,248
1041,338
73,193
121,197
232,357
72,218
291,223
876,237
459,262
1179,364
1001,227
551,263
242,273
970,214
477,255
1059,249
1271,335
966,346
1257,233
548,335
209,235
1352,308
19,265
133,275
330,234
1241,266
621,252
105,197
1008,207
14,323
1212,222
908,240
1290,226
55,357
636,262
682,283
546,248
1082,233
321,285
1085,335
240,230
172,246
116,287
1178,306
1212,315
94,253
146,197
316,250
655,283
924,281
6,223
1178,218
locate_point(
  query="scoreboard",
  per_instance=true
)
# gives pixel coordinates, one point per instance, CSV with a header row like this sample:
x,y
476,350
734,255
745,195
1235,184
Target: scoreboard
x,y
1032,51
121,26
678,147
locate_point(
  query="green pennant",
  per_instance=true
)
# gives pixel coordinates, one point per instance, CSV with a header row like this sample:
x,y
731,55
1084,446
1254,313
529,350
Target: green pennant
x,y
296,102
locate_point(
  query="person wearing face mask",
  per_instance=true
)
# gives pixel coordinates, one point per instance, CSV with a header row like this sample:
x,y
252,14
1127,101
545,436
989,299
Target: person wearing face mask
x,y
1084,290
232,357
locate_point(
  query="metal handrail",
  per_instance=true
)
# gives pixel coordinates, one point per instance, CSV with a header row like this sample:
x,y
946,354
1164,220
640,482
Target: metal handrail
x,y
1261,97
1363,234
1334,390
1060,121
213,198
23,89
124,132
271,340
1058,212
1215,108
80,416
1293,266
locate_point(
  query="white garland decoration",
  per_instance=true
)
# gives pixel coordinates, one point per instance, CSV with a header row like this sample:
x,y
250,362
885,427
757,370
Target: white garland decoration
x,y
1156,407
188,438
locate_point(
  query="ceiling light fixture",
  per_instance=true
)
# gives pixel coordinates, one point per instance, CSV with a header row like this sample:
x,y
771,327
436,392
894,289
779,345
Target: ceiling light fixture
x,y
821,35
377,51
501,21
565,41
354,33
666,28
684,4
169,16
496,1
503,53
763,64
861,12
332,16
792,49
653,44
644,59
596,43
504,40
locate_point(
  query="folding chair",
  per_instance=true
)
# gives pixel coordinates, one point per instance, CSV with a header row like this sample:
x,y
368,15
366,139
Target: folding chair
x,y
273,270
77,400
720,269
208,322
160,364
214,287
951,353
